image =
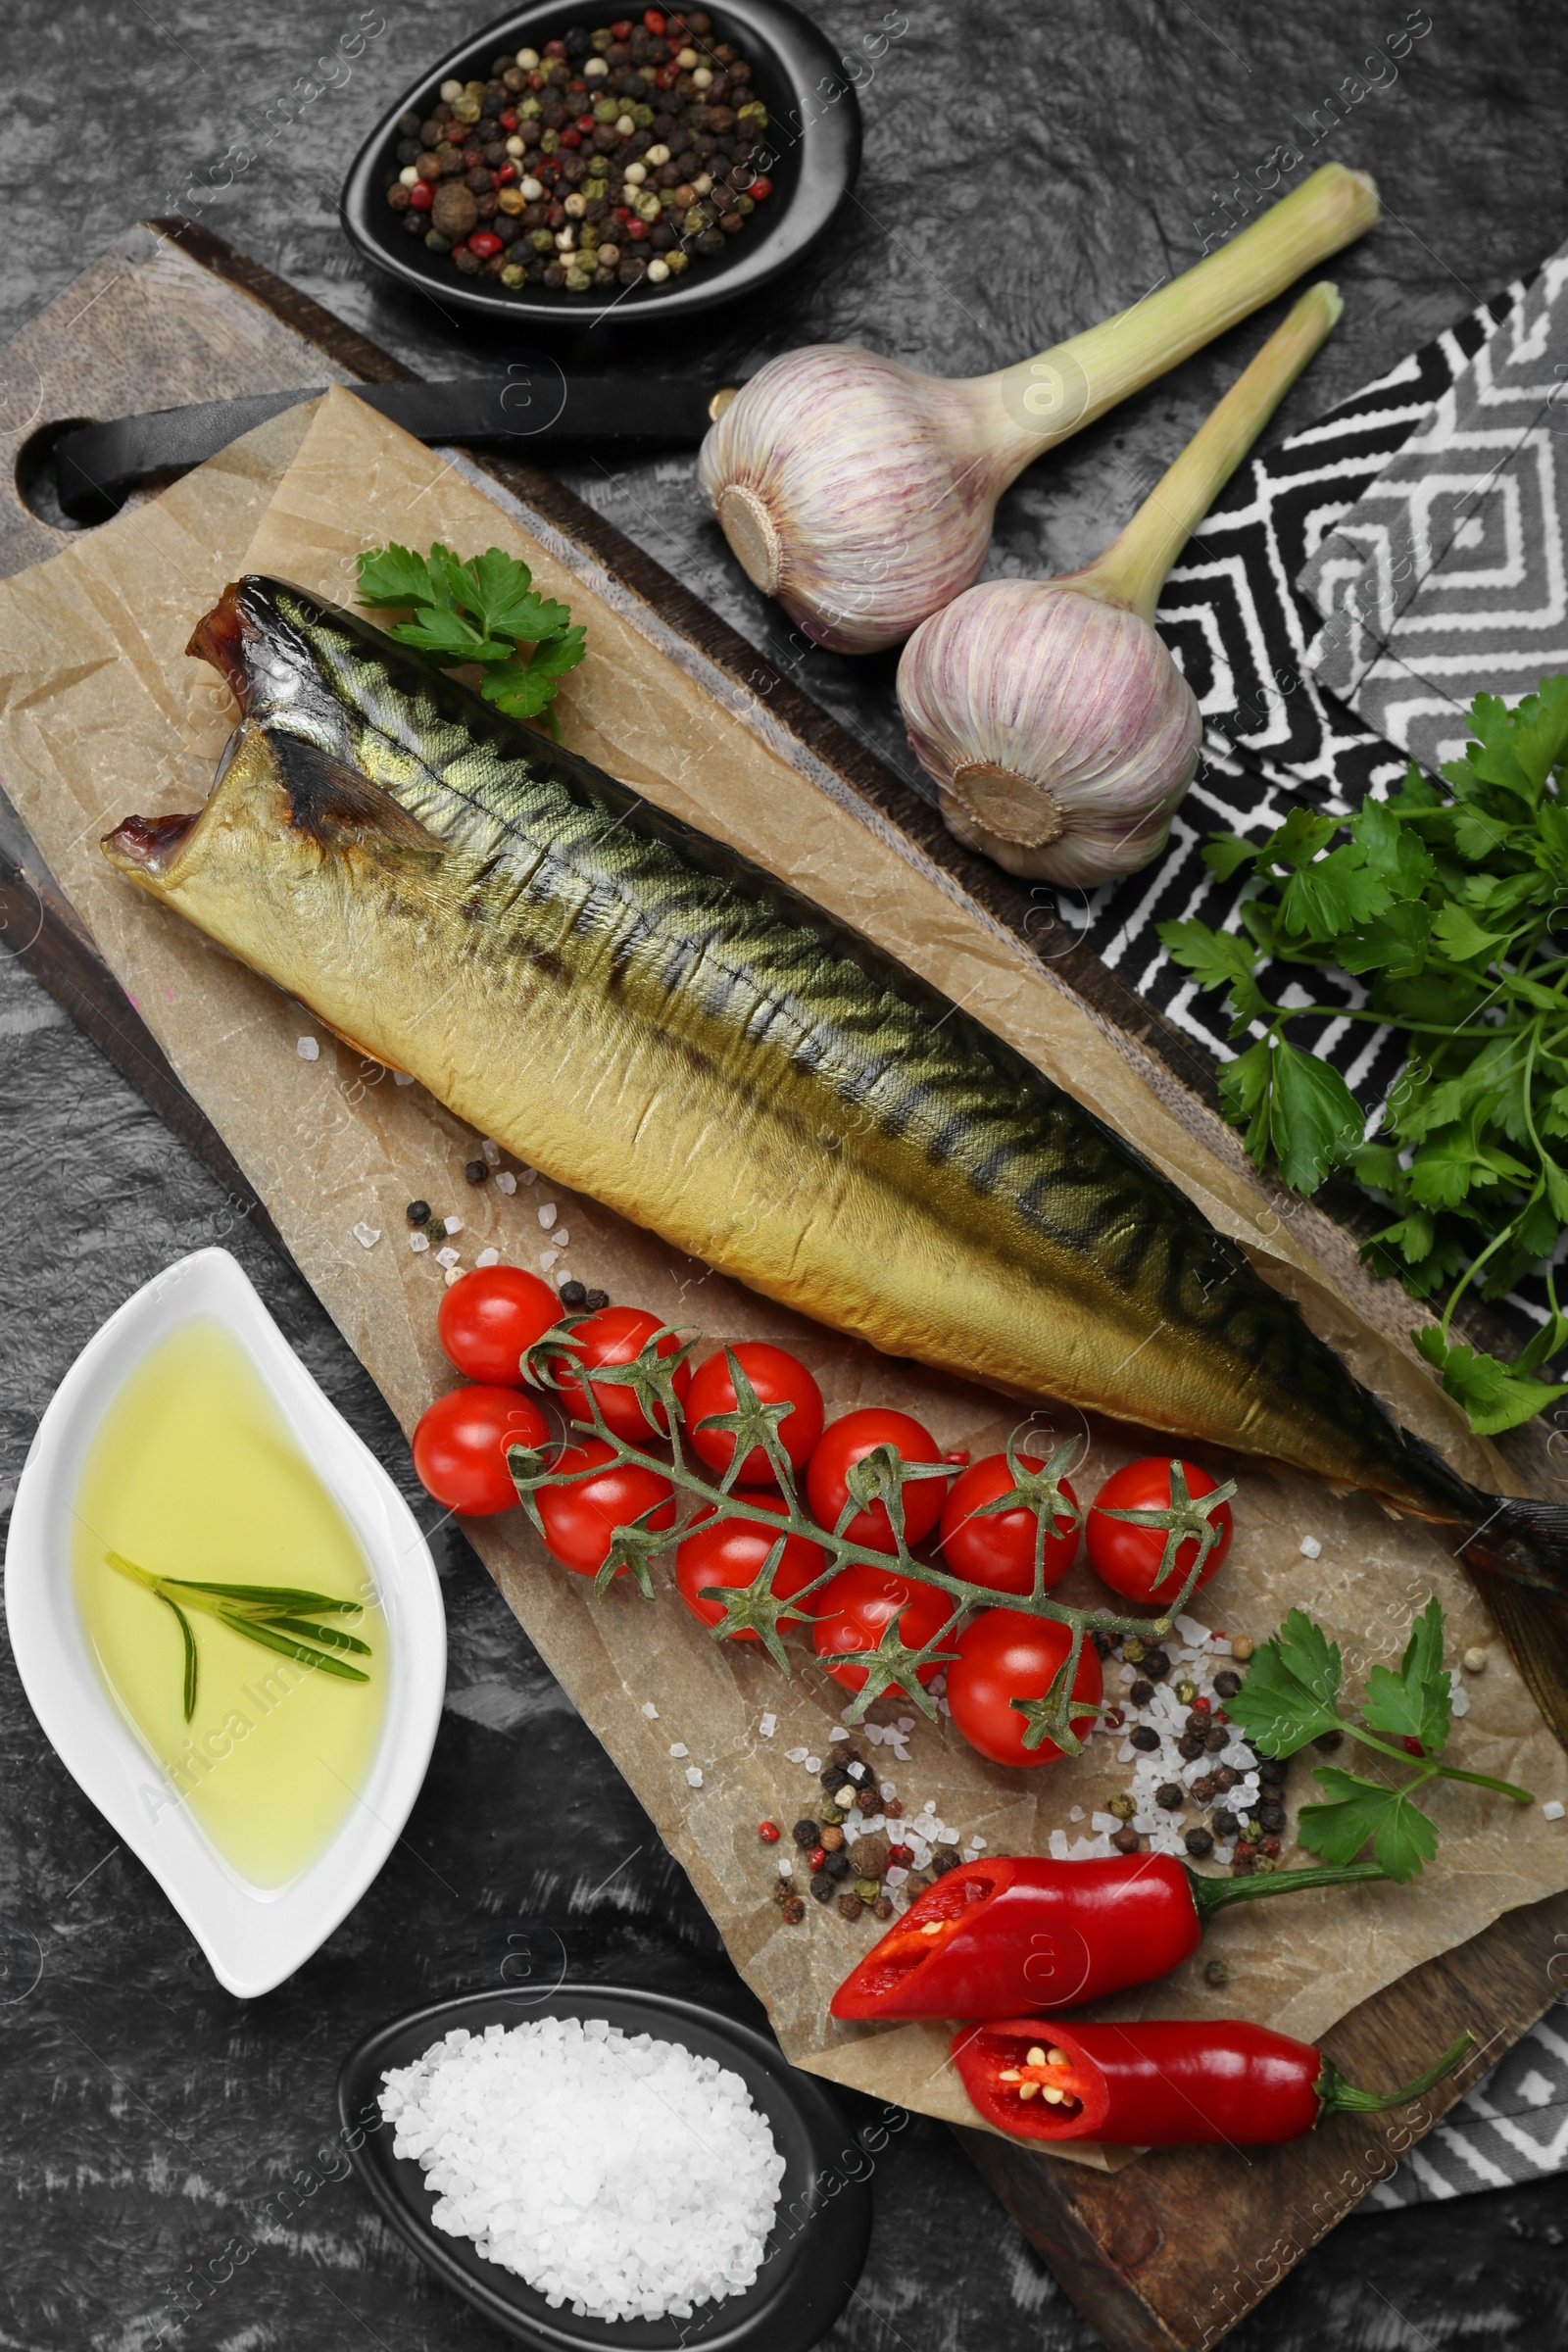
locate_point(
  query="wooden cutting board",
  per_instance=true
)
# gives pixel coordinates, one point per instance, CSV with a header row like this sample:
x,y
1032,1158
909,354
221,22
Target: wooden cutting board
x,y
1170,2252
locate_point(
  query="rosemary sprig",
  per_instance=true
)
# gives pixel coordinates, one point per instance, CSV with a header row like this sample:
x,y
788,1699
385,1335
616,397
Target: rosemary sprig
x,y
880,1477
269,1614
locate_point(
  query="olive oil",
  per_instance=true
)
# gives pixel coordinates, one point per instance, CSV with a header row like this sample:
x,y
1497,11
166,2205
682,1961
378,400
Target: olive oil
x,y
193,1474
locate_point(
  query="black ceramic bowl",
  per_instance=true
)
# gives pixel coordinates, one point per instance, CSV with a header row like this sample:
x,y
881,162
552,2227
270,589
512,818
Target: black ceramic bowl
x,y
814,132
819,2240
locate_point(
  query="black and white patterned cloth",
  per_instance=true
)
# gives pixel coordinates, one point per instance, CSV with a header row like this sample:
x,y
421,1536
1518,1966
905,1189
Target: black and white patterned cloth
x,y
1512,2128
1275,736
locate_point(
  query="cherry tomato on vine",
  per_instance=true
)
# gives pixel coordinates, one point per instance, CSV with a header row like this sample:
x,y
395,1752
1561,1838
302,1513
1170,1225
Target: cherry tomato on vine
x,y
733,1552
1127,1556
854,1610
778,1378
487,1320
999,1548
616,1334
1006,1654
848,1440
459,1446
579,1520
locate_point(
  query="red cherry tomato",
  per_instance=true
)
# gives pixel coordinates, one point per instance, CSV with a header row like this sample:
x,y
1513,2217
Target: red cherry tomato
x,y
1128,1556
848,1440
616,1334
778,1378
460,1445
854,1610
486,1321
731,1551
1005,1654
999,1550
580,1519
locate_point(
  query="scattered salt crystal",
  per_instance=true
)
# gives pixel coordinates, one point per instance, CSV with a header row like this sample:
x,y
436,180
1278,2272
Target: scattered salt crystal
x,y
678,1748
563,1277
527,1175
694,1779
1191,1631
488,1257
887,1789
308,1049
650,1710
643,2185
446,1257
418,1242
548,1213
906,1723
1106,1822
562,1237
1310,1549
365,1235
978,1840
947,1835
795,1755
490,1150
840,1730
1076,1813
402,1078
1058,1845
930,1806
768,1726
1459,1696
547,1259
893,1875
453,1224
506,1182
813,1763
1552,1810
785,1867
874,1733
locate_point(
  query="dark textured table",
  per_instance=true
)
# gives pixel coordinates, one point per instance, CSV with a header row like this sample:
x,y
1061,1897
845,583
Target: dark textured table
x,y
1028,168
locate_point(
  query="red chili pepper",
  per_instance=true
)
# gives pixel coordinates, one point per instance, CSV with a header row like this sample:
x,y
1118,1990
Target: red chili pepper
x,y
1015,1932
1164,2083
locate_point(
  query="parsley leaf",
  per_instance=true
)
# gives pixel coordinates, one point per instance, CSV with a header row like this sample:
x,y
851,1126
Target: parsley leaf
x,y
482,610
1401,1836
1416,1702
1442,905
1291,1685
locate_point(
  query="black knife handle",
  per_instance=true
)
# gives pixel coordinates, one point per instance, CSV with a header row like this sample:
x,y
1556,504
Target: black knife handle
x,y
531,407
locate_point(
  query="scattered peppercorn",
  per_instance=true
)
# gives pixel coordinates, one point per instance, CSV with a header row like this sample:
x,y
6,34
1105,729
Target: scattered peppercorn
x,y
948,1858
417,1213
1140,1692
1126,1841
1198,1841
892,1809
1474,1660
850,1905
1189,1746
651,125
837,1865
1219,1737
1328,1741
883,1906
1225,1822
1226,1683
1171,1795
901,1856
1157,1664
1133,1650
594,1300
831,1837
1271,1770
823,1887
1145,1736
831,1816
1104,1643
1271,1818
870,1855
1240,1649
768,1831
793,1910
1123,1807
869,1890
1186,1692
816,1858
1216,1972
807,1834
476,1171
574,1295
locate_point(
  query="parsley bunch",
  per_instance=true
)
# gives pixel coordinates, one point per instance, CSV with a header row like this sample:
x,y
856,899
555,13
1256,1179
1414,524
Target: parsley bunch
x,y
1290,1695
1450,907
485,610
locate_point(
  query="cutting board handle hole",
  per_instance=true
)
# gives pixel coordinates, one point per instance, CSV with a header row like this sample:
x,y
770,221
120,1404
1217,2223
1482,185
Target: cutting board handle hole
x,y
38,488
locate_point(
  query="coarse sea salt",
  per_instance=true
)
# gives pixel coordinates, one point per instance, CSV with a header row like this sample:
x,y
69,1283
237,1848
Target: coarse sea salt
x,y
626,2177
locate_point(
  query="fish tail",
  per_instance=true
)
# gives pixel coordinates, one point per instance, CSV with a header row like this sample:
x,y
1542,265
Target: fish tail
x,y
1519,1549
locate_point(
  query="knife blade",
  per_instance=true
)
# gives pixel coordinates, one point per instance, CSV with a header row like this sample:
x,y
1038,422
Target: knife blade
x,y
531,408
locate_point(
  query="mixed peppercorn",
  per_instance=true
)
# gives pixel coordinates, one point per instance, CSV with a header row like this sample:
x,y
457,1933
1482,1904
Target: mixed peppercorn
x,y
616,157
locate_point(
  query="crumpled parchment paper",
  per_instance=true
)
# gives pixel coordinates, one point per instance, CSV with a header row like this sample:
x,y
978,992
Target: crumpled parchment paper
x,y
101,713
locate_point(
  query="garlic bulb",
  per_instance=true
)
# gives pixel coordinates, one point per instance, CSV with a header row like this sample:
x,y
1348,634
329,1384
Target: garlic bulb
x,y
861,493
1058,729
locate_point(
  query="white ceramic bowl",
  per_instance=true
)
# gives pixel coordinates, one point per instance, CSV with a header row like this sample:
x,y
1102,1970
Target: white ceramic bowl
x,y
252,1936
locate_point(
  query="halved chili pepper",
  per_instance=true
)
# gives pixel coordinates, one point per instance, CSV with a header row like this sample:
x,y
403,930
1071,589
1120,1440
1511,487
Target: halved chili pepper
x,y
1164,2084
997,1937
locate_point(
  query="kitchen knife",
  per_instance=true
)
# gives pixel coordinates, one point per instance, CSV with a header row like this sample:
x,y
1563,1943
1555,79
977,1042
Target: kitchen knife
x,y
531,408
